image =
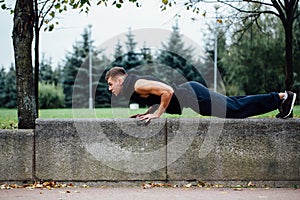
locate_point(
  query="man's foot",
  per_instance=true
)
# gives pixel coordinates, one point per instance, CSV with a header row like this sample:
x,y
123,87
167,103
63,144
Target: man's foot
x,y
280,115
286,108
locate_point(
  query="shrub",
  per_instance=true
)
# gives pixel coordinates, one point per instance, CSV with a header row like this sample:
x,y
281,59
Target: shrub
x,y
50,96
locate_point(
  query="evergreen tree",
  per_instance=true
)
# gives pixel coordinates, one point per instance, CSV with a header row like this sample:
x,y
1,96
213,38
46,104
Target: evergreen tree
x,y
102,96
10,91
130,43
118,54
73,63
2,86
132,58
58,76
46,73
118,50
175,60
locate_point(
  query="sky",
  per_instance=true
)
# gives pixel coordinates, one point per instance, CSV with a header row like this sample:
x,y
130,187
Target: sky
x,y
107,23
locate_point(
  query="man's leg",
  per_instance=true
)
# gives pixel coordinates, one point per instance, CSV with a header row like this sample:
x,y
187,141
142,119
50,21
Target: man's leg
x,y
247,106
215,104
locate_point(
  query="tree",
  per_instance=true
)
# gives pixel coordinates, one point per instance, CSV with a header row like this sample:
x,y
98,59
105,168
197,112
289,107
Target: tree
x,y
297,47
178,60
26,16
46,75
102,95
118,50
22,41
264,73
286,11
132,57
263,41
75,61
58,75
10,94
2,86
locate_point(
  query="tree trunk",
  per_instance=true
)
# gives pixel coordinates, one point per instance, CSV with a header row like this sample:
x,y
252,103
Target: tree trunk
x,y
22,42
289,78
36,57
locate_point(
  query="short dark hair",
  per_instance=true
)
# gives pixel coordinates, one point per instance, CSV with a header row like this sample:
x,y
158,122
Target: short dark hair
x,y
115,71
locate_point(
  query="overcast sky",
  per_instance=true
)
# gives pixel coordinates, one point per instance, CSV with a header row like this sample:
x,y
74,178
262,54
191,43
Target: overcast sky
x,y
107,22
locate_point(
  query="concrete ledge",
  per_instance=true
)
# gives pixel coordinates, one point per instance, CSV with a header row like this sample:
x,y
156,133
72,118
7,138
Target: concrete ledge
x,y
100,149
215,150
224,151
247,149
16,155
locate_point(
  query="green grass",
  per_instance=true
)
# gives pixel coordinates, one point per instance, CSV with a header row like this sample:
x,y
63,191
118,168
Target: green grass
x,y
8,117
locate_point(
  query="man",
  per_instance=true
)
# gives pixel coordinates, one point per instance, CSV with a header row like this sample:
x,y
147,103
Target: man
x,y
161,98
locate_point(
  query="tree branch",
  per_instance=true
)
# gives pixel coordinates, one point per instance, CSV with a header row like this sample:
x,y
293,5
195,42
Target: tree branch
x,y
295,9
251,11
279,9
43,16
258,2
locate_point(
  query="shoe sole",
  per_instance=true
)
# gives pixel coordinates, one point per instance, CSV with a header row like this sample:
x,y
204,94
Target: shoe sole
x,y
292,106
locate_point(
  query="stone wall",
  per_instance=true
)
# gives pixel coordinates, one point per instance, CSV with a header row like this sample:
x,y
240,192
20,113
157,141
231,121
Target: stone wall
x,y
174,150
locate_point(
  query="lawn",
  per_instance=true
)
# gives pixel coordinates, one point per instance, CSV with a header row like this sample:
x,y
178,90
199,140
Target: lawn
x,y
8,117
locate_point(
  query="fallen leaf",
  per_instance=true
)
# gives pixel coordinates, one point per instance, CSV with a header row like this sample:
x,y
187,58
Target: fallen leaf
x,y
238,189
250,184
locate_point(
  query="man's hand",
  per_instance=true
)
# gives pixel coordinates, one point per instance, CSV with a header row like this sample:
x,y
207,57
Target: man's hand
x,y
151,110
139,115
148,117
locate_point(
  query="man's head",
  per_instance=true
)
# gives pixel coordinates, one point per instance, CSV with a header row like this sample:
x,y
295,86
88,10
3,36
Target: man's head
x,y
115,78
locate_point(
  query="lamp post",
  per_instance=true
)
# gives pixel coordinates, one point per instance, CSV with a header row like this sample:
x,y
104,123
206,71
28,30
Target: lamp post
x,y
90,68
216,49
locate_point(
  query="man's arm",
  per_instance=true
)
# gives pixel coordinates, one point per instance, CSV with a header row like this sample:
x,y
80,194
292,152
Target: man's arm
x,y
146,87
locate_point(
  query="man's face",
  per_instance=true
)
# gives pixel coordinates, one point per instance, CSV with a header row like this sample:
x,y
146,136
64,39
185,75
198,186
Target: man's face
x,y
115,85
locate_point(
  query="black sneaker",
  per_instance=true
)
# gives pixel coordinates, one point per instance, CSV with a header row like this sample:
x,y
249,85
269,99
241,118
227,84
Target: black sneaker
x,y
280,115
286,108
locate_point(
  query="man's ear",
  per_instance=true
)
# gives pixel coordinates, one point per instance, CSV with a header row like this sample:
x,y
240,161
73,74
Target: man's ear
x,y
120,80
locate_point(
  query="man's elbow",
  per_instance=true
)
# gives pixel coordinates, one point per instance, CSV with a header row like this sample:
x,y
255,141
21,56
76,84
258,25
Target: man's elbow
x,y
170,92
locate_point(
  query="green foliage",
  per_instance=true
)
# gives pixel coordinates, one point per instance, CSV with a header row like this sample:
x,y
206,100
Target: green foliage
x,y
178,59
102,95
46,73
296,49
50,96
2,86
8,93
252,61
10,89
74,61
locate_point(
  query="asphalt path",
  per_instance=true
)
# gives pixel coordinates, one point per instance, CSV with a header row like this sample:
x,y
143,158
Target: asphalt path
x,y
131,193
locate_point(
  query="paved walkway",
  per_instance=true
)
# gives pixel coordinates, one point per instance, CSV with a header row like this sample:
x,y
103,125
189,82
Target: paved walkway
x,y
132,193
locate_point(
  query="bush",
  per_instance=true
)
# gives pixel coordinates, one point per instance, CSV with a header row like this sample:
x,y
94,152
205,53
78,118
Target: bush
x,y
50,96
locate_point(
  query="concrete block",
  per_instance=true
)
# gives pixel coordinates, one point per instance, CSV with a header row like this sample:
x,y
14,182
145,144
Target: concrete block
x,y
235,150
16,154
100,149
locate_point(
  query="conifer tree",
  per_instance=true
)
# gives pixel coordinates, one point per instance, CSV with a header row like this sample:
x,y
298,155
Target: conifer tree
x,y
176,60
73,63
